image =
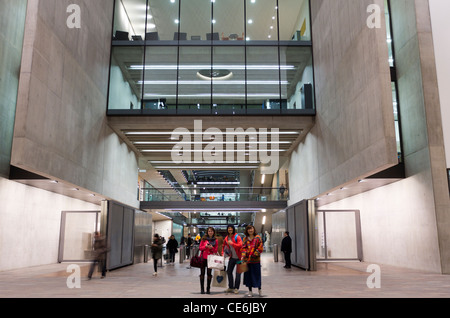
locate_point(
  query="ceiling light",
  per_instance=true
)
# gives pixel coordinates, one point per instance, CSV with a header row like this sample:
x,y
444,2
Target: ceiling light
x,y
208,142
208,66
216,150
250,21
220,81
209,167
201,132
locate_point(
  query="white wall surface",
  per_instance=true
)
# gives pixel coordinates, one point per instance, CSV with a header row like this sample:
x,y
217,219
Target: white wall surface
x,y
439,11
30,220
398,224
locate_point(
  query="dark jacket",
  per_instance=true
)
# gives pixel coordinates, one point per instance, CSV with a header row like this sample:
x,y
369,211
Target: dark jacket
x,y
100,247
156,248
172,246
286,244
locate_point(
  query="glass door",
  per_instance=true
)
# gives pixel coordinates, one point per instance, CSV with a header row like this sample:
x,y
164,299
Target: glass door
x,y
338,235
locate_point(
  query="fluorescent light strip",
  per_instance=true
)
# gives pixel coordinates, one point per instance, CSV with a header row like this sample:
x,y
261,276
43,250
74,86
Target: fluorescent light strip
x,y
208,167
226,150
208,95
216,82
207,67
206,142
201,162
237,182
201,133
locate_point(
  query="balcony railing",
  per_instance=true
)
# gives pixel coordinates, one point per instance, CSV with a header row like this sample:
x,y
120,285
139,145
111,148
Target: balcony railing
x,y
215,194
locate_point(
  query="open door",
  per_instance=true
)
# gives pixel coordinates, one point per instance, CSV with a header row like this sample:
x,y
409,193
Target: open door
x,y
300,222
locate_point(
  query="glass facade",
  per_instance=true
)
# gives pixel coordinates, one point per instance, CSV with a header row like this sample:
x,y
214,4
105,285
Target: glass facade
x,y
211,57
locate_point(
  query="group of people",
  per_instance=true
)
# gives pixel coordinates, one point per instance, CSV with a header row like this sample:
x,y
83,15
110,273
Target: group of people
x,y
238,251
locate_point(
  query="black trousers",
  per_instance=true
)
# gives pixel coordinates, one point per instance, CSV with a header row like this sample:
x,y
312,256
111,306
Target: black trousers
x,y
287,258
101,264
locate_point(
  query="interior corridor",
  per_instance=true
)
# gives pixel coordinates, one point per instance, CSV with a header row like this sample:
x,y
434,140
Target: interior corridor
x,y
331,280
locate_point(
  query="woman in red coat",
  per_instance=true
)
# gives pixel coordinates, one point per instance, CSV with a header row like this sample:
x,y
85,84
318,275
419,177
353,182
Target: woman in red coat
x,y
208,245
232,247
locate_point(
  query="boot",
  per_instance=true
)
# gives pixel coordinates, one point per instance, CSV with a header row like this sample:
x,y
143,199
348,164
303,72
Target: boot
x,y
208,284
202,285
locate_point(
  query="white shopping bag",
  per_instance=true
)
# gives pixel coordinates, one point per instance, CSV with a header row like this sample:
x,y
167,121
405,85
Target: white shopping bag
x,y
216,262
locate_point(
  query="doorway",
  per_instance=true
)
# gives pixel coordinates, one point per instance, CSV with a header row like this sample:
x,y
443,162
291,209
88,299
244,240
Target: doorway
x,y
338,235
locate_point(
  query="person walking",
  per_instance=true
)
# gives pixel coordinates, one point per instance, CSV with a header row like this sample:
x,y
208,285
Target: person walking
x,y
172,246
252,247
189,243
99,249
208,245
232,248
286,248
156,248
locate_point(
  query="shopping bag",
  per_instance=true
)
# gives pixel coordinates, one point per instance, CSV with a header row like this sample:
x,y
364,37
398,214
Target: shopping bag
x,y
242,268
219,279
216,262
197,260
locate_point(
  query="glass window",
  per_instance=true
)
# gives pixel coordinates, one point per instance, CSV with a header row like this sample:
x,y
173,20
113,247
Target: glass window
x,y
228,80
162,19
194,90
294,20
296,77
195,20
129,19
263,89
160,77
262,20
125,85
228,19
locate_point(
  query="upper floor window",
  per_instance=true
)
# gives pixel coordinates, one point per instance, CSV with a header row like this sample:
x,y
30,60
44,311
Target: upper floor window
x,y
211,57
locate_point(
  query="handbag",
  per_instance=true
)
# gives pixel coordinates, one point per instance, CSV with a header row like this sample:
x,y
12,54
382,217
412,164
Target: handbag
x,y
197,260
219,279
216,262
242,268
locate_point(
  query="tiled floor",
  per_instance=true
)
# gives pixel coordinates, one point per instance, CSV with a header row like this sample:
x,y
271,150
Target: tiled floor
x,y
331,280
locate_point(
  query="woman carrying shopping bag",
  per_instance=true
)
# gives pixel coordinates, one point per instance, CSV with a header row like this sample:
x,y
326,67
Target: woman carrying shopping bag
x,y
251,254
232,248
208,246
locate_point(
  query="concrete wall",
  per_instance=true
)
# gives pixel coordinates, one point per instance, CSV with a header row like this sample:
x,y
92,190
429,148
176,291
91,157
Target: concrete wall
x,y
354,134
30,220
61,129
12,24
440,25
406,223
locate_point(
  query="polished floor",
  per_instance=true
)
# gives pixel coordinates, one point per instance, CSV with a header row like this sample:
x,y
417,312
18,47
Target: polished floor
x,y
331,280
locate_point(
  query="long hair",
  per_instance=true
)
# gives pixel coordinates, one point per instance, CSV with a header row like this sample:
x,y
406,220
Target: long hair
x,y
206,236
